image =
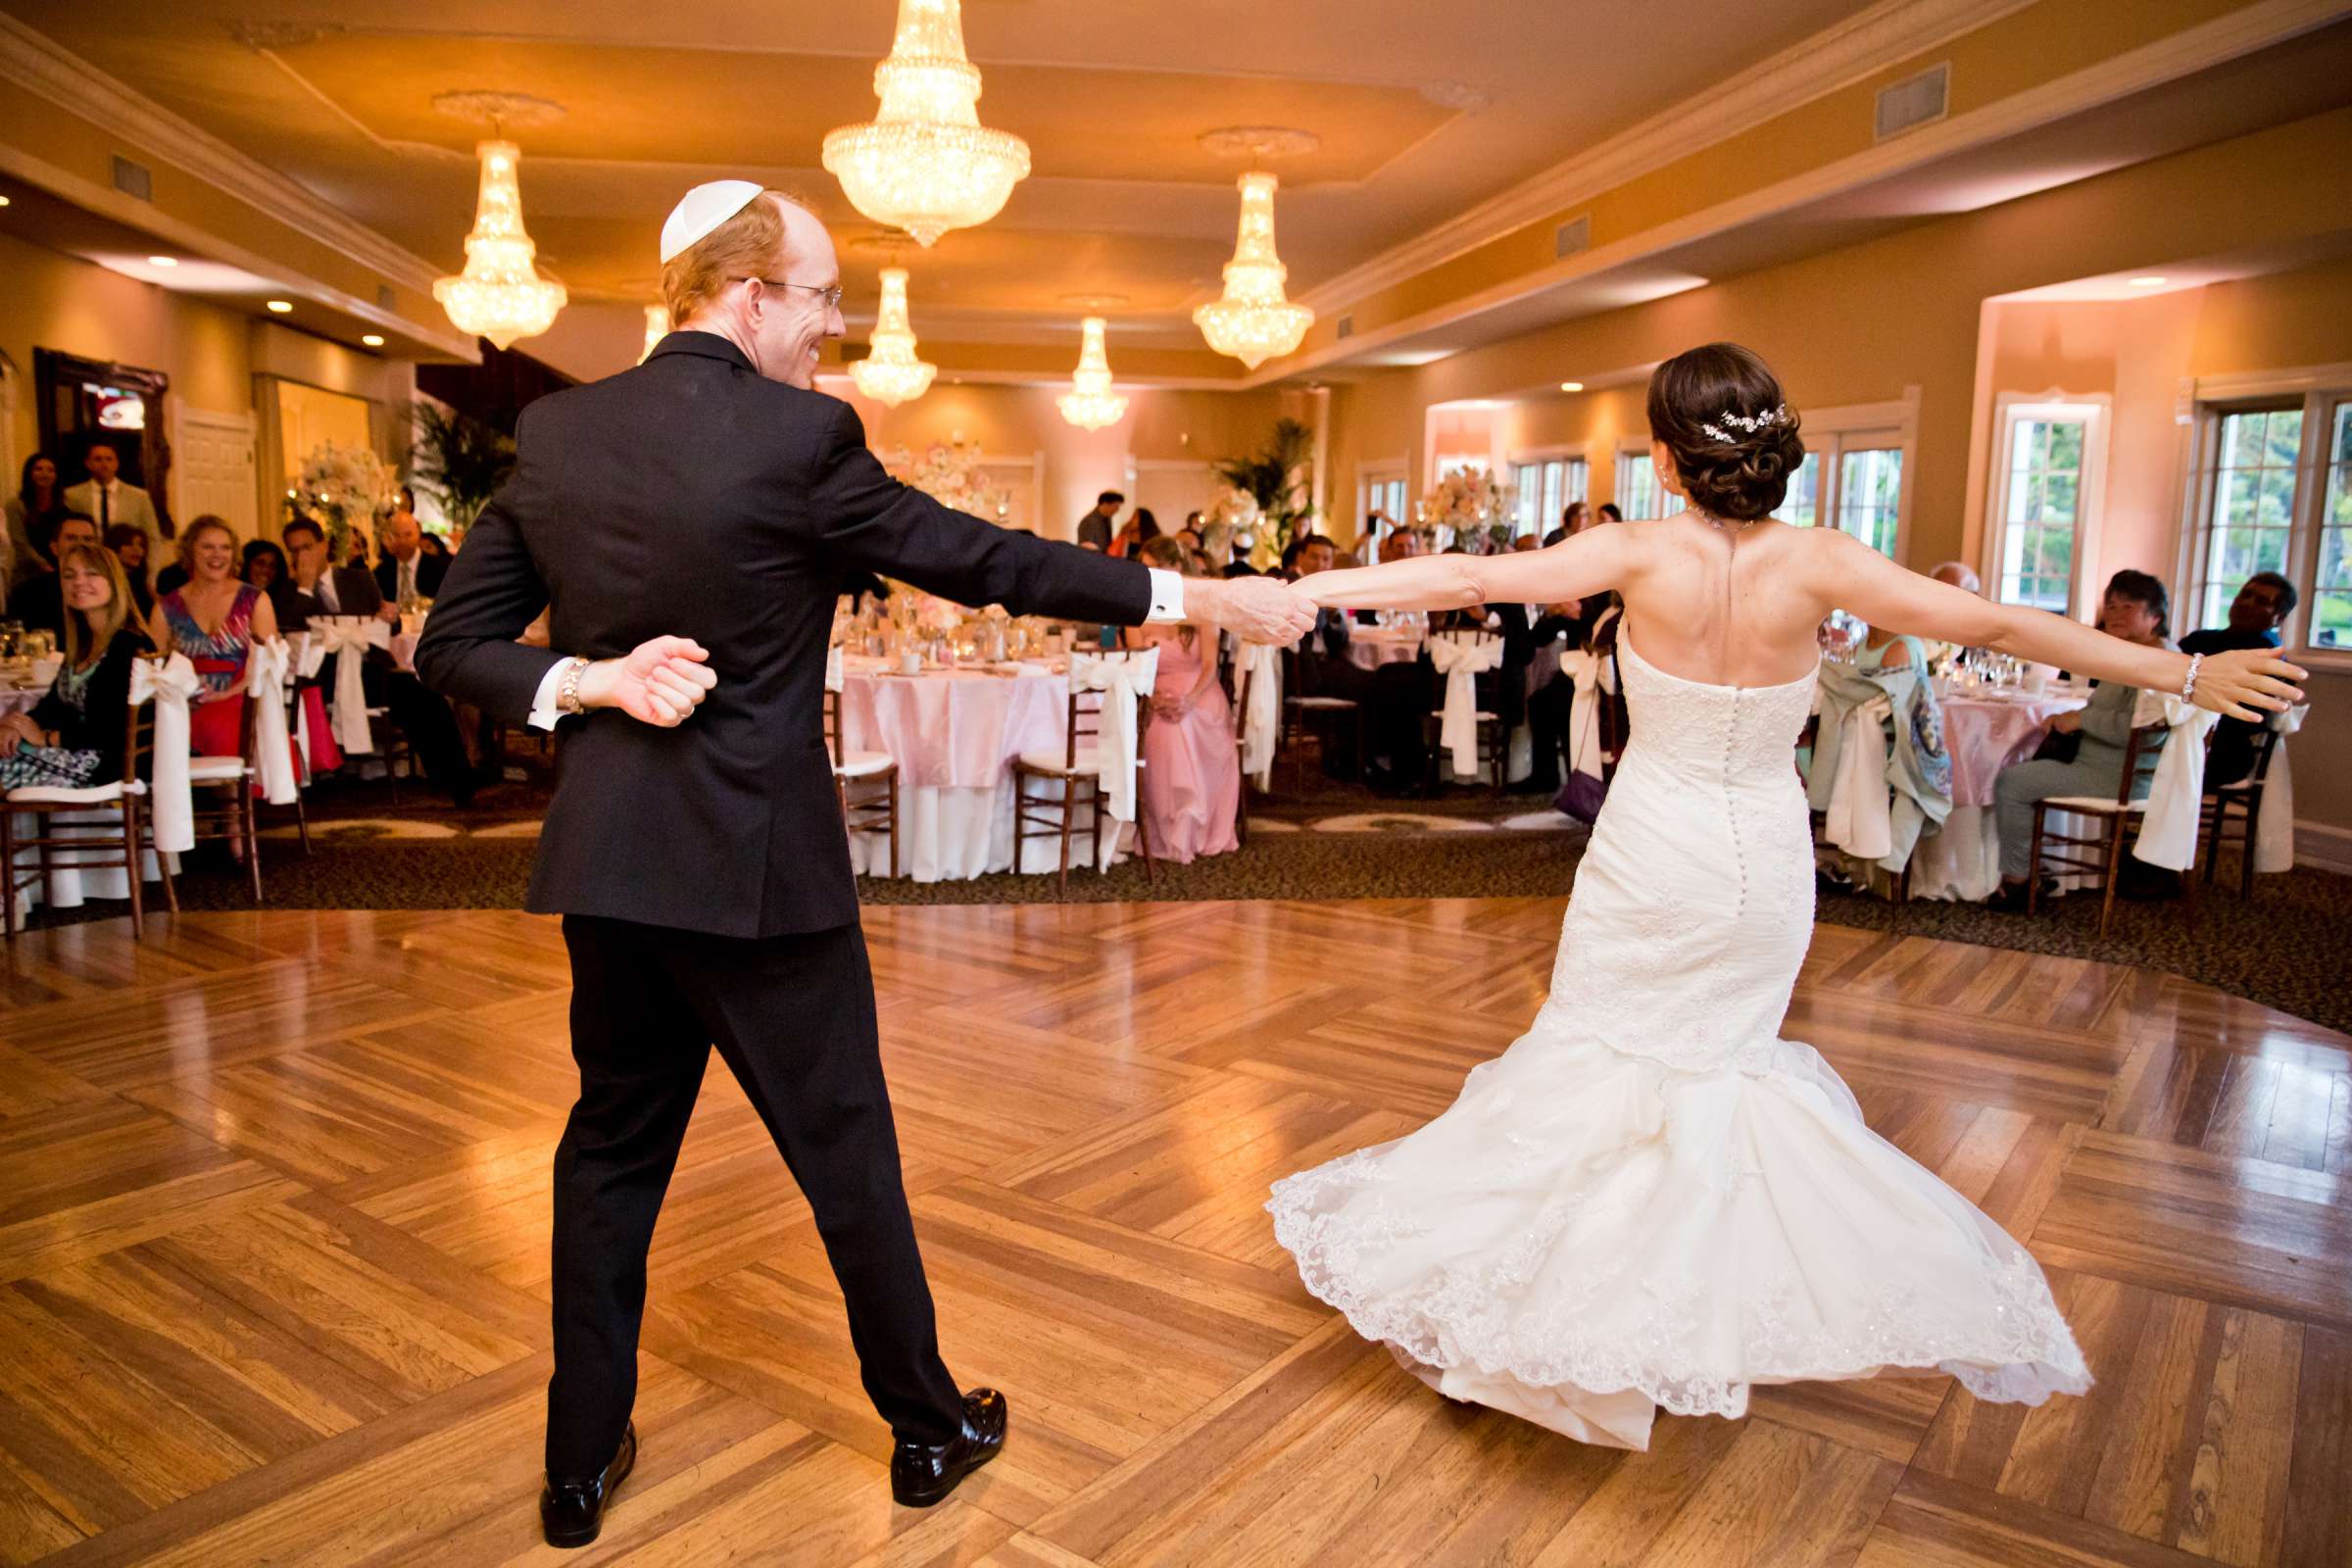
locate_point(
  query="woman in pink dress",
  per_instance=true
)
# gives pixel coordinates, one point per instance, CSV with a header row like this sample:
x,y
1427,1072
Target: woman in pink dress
x,y
1191,767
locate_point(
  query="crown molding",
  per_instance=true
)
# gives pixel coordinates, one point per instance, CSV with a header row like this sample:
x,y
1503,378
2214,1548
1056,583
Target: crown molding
x,y
2255,27
31,60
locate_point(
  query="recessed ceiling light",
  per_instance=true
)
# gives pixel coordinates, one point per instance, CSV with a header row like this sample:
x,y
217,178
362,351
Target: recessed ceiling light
x,y
2150,283
163,260
374,340
282,307
1571,386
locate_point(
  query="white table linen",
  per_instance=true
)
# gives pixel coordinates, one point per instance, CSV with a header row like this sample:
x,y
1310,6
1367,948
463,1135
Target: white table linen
x,y
1370,647
1985,734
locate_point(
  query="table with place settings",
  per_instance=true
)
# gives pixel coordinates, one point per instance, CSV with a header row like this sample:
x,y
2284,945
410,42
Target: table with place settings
x,y
1986,730
954,733
1370,647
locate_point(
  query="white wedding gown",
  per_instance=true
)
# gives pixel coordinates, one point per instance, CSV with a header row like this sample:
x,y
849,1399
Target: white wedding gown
x,y
1651,1199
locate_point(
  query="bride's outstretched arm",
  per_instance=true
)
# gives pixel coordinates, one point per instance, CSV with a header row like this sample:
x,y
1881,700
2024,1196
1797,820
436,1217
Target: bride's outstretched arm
x,y
1857,578
1585,563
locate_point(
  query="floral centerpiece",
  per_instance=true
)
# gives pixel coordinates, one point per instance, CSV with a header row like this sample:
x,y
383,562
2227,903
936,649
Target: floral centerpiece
x,y
1472,506
1231,522
344,490
950,473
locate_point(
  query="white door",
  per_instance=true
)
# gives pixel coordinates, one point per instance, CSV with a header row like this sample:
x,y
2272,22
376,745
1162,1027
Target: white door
x,y
212,468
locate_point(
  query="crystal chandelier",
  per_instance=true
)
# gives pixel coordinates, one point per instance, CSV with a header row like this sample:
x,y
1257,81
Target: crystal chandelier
x,y
657,327
1252,321
890,373
925,163
500,295
1091,403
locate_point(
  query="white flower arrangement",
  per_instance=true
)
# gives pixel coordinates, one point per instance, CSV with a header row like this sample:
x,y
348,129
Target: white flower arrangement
x,y
1476,508
950,473
346,489
1233,519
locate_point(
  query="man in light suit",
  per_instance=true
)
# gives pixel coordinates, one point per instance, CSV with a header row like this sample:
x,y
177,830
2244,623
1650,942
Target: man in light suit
x,y
106,498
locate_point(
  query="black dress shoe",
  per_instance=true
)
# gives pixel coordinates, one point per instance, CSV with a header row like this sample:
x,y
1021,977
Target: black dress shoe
x,y
572,1512
924,1473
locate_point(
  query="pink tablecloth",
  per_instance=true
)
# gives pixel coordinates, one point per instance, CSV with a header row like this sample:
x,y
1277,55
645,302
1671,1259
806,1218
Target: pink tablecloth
x,y
1370,647
951,728
1985,734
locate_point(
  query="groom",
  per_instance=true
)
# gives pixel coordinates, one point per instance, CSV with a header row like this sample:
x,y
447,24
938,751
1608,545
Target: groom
x,y
690,521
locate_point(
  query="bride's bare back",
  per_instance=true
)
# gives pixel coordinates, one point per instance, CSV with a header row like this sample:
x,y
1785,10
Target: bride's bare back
x,y
1726,605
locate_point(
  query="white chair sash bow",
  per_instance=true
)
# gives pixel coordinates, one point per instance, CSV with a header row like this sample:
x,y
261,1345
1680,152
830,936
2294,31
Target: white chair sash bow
x,y
1461,661
2168,823
265,664
1588,673
2274,840
1125,684
1261,667
352,635
169,685
1860,817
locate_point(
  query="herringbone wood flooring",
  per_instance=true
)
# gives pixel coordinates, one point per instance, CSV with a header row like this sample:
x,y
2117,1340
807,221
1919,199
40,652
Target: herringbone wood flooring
x,y
273,1259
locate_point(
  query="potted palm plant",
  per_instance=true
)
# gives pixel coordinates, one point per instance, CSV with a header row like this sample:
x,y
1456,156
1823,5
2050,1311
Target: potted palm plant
x,y
1276,478
461,460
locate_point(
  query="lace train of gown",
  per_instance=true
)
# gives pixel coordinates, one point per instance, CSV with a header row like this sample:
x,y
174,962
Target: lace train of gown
x,y
1651,1199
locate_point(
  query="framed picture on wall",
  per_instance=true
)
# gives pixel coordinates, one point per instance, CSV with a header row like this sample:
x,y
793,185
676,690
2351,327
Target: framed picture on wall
x,y
81,400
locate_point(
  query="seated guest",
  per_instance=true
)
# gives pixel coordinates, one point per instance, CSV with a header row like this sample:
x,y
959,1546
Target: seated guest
x,y
423,716
1574,519
407,573
1192,784
1188,535
1882,649
264,565
1608,513
1394,697
73,738
129,545
2135,608
37,600
1960,574
214,618
2264,602
432,544
1527,541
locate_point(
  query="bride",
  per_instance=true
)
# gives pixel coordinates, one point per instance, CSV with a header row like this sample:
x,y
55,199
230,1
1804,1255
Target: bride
x,y
1652,1199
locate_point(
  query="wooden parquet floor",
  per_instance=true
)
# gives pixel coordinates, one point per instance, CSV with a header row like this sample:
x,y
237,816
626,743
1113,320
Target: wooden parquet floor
x,y
273,1259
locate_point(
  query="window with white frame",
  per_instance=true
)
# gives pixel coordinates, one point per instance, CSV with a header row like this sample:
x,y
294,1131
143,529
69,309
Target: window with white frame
x,y
1542,488
1382,491
1801,506
2271,491
1639,496
1851,480
2051,459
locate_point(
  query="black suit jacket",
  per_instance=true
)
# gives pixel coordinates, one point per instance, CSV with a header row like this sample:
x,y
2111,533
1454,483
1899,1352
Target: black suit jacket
x,y
356,594
431,571
692,496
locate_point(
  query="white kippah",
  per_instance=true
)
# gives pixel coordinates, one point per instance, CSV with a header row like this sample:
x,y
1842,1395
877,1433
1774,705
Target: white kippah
x,y
702,210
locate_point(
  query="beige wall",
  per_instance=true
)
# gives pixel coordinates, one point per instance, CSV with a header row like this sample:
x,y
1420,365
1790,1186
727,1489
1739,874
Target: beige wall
x,y
1162,425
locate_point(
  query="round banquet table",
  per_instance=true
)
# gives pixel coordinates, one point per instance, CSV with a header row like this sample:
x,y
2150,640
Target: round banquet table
x,y
1985,732
955,734
1370,647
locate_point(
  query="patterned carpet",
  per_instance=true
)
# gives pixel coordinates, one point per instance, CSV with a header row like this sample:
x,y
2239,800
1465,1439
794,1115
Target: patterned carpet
x,y
2285,949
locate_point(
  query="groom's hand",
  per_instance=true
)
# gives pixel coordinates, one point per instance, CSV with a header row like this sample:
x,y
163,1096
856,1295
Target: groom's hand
x,y
1257,610
658,682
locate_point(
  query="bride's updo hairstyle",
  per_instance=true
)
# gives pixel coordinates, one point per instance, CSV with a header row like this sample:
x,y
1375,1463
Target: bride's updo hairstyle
x,y
1719,410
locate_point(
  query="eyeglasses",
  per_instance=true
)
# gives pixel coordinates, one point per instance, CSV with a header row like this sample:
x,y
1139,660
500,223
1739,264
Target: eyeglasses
x,y
830,293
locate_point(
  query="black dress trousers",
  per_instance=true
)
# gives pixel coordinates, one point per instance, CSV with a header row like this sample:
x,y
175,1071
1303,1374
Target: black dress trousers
x,y
793,1018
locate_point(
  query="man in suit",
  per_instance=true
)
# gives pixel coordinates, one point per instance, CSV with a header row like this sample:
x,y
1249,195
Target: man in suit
x,y
40,601
407,573
312,588
690,523
105,498
1095,528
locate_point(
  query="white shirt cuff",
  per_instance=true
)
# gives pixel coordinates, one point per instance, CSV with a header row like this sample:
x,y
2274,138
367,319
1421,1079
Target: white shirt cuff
x,y
543,704
1168,595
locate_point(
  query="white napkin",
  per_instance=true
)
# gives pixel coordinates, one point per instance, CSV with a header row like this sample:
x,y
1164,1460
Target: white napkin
x,y
169,684
1262,724
265,664
351,635
2168,824
1860,817
1125,683
2275,844
1460,660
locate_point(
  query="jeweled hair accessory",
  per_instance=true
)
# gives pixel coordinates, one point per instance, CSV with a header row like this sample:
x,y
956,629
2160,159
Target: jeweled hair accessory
x,y
1766,421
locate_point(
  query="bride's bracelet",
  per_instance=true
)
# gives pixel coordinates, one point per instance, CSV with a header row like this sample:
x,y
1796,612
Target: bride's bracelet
x,y
2189,684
